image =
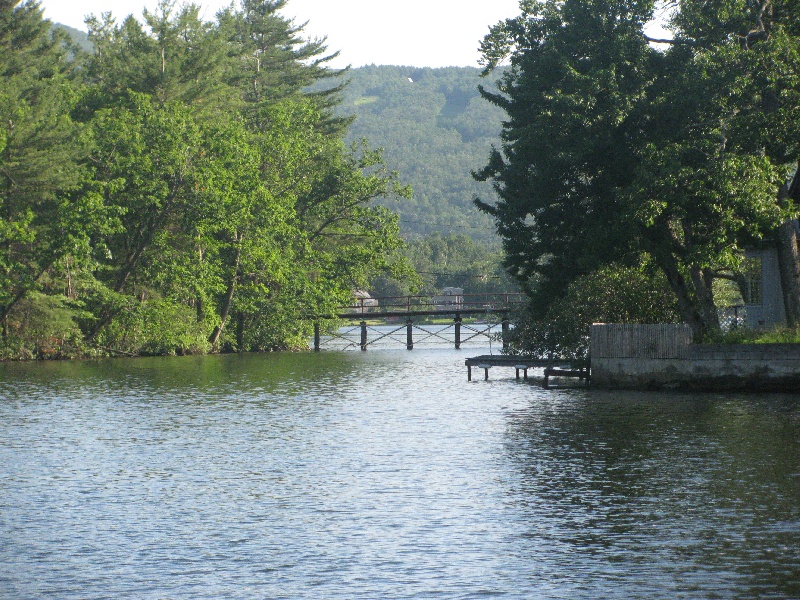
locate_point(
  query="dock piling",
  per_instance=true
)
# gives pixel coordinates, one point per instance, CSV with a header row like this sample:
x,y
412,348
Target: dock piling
x,y
363,336
409,334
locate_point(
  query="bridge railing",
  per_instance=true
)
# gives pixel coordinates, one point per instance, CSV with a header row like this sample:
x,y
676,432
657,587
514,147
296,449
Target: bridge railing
x,y
445,303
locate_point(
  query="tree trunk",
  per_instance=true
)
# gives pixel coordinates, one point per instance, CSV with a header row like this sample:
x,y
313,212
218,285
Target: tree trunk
x,y
223,315
228,301
240,331
199,306
786,244
694,296
686,305
199,303
704,298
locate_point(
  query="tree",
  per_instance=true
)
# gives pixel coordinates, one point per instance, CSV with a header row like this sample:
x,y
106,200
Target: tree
x,y
614,148
238,197
753,51
180,59
612,294
271,61
339,239
48,213
168,184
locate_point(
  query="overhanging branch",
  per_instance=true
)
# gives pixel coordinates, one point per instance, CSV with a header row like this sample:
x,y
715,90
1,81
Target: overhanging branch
x,y
673,42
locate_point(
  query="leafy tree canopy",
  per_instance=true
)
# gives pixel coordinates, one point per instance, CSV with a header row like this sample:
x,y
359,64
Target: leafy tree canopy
x,y
179,188
614,147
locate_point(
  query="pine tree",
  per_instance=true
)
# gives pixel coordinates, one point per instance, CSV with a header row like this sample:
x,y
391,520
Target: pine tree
x,y
40,153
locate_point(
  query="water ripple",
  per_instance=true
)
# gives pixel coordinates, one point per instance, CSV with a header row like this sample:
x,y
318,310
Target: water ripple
x,y
385,474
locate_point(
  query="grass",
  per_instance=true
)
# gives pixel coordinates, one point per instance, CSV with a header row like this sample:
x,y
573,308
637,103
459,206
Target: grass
x,y
782,335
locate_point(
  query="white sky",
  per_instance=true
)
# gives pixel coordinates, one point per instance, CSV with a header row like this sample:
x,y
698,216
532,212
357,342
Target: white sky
x,y
419,33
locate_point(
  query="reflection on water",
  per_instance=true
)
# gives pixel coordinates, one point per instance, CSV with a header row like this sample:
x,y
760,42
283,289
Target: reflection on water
x,y
385,474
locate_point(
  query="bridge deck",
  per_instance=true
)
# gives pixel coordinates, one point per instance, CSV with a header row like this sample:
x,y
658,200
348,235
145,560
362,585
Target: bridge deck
x,y
441,312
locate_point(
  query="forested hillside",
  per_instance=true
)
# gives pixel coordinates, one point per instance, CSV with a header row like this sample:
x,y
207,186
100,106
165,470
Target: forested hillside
x,y
435,129
81,38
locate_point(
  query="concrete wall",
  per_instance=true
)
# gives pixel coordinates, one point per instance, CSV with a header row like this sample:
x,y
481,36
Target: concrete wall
x,y
663,357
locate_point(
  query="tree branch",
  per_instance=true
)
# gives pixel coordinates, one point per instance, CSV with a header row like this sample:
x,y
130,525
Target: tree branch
x,y
673,42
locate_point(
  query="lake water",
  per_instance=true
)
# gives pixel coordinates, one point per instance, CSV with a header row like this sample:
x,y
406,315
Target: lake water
x,y
385,474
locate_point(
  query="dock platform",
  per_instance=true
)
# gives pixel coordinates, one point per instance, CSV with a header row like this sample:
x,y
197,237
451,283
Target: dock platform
x,y
521,364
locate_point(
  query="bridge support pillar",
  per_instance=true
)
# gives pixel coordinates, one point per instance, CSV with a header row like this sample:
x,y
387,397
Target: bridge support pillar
x,y
457,322
409,334
316,336
363,336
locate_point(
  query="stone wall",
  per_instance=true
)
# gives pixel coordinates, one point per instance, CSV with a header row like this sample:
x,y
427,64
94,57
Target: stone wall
x,y
663,357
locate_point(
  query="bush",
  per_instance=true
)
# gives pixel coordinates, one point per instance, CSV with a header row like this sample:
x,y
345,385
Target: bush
x,y
615,294
43,327
157,327
779,335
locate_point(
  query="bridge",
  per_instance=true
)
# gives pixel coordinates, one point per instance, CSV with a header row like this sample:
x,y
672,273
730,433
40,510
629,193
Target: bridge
x,y
391,309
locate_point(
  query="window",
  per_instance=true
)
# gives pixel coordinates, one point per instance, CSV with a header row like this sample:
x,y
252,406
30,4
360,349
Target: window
x,y
753,292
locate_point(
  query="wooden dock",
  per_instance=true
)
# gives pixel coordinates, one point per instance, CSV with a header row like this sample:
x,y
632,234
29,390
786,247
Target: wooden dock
x,y
521,364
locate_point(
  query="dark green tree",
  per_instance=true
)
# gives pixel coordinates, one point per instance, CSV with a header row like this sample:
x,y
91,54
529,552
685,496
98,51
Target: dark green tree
x,y
748,53
614,148
48,213
173,56
611,294
272,61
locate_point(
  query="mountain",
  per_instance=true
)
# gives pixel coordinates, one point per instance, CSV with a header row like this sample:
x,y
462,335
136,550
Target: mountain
x,y
80,37
435,128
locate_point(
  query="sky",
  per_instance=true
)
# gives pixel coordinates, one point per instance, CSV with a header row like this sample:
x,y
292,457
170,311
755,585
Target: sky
x,y
419,33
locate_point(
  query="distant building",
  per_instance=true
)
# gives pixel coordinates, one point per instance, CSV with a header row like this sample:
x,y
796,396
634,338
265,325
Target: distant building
x,y
362,301
450,296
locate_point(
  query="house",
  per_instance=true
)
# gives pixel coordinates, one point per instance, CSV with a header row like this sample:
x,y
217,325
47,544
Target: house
x,y
763,292
362,301
450,296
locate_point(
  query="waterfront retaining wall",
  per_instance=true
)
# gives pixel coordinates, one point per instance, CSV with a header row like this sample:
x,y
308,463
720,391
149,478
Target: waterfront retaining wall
x,y
664,357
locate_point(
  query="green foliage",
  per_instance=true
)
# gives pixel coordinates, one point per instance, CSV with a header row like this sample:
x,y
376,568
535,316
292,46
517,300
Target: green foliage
x,y
614,148
613,294
180,190
44,209
155,326
453,260
740,335
43,327
433,130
